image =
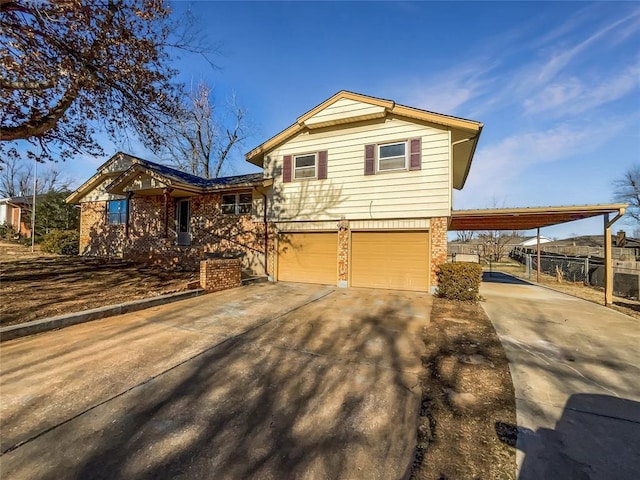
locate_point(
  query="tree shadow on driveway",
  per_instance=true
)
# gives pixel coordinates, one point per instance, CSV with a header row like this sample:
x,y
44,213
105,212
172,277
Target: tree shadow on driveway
x,y
324,392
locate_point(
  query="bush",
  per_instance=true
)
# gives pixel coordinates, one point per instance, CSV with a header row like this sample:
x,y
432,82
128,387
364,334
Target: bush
x,y
459,281
61,242
7,232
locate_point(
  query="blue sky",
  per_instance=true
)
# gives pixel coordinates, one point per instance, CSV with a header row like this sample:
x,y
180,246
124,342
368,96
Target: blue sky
x,y
557,85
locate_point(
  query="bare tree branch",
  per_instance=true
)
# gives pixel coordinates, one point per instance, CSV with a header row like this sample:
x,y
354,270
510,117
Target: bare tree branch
x,y
627,190
195,140
69,66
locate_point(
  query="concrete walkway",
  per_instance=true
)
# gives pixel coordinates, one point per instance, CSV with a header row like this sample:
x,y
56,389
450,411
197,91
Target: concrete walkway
x,y
265,381
576,371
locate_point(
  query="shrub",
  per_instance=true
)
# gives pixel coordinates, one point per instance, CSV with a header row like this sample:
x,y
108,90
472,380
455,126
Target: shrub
x,y
7,232
61,242
459,281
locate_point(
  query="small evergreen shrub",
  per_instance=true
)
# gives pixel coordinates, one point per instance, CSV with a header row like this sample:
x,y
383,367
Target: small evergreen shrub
x,y
459,281
7,232
61,242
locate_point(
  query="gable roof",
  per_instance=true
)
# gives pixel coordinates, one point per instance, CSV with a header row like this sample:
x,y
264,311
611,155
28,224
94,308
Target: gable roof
x,y
464,139
166,175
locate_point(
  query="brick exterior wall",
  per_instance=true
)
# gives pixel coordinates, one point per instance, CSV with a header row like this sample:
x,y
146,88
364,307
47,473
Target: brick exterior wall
x,y
96,237
211,231
438,245
220,274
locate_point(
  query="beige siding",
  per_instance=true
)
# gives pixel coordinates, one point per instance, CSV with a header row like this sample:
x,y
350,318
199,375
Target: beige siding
x,y
99,193
344,110
329,225
119,164
347,192
143,182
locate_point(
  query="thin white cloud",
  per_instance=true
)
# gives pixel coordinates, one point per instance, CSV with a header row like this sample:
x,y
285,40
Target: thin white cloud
x,y
573,96
496,166
562,58
560,70
452,89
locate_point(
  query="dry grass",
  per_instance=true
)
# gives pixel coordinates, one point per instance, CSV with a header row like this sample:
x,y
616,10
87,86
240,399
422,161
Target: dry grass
x,y
35,286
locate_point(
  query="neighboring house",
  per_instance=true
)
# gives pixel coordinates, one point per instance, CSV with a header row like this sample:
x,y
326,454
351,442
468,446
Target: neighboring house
x,y
357,192
16,212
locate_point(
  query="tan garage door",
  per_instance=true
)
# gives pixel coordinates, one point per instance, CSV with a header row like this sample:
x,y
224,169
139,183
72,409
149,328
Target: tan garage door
x,y
394,260
308,257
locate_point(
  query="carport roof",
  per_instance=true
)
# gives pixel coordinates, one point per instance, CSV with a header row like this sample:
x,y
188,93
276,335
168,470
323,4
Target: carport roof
x,y
527,218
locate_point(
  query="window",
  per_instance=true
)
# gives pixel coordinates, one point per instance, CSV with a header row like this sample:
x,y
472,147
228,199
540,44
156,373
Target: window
x,y
116,212
392,156
236,204
304,166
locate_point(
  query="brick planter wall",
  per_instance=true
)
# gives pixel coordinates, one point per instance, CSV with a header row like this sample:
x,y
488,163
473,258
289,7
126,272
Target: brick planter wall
x,y
220,274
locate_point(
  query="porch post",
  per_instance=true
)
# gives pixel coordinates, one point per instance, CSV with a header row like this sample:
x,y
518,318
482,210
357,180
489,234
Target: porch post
x,y
127,214
166,193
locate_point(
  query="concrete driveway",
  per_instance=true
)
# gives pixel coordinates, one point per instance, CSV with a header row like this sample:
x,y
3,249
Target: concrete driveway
x,y
265,381
576,372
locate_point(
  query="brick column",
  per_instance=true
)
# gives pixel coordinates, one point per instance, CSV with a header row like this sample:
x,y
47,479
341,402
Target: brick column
x,y
438,234
343,253
220,274
271,251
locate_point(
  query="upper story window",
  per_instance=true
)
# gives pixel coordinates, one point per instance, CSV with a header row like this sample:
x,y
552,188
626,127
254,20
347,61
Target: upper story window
x,y
116,212
304,166
236,203
392,156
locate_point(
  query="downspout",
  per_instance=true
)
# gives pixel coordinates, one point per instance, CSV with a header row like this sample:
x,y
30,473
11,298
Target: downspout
x,y
266,233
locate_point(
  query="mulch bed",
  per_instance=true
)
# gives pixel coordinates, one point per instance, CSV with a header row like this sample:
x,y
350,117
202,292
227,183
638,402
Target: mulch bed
x,y
468,414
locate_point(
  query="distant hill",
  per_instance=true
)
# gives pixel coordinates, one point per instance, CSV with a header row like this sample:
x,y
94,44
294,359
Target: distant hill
x,y
594,241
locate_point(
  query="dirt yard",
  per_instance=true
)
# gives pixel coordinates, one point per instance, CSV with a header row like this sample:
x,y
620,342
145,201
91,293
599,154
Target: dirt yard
x,y
36,285
468,416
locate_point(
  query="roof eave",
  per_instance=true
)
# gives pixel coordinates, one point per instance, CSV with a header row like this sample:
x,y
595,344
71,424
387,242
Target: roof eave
x,y
256,156
467,167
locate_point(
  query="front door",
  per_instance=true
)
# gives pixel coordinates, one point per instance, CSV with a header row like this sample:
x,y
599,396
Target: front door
x,y
184,215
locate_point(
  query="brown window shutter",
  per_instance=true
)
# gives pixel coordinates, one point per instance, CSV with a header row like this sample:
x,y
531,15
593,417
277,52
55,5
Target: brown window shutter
x,y
415,162
286,169
322,165
369,159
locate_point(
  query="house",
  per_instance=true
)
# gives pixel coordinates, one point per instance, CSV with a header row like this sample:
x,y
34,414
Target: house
x,y
143,211
16,213
357,192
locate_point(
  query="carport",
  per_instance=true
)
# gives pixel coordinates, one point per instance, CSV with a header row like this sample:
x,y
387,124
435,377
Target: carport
x,y
530,218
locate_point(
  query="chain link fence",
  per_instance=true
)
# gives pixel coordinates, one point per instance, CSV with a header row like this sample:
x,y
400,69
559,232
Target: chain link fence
x,y
588,270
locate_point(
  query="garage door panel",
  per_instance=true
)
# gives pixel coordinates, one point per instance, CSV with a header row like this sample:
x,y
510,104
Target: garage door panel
x,y
393,260
308,257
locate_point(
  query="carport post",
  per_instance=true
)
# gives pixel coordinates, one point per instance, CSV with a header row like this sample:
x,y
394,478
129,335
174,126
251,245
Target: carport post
x,y
608,264
538,253
608,269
